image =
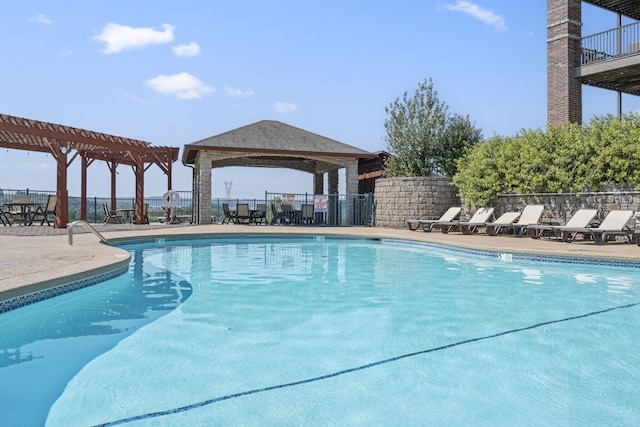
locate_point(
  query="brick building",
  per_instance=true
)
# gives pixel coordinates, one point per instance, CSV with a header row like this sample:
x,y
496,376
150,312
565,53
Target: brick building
x,y
609,60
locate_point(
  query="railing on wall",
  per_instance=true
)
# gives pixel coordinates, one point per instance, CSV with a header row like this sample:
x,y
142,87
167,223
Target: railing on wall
x,y
328,209
610,44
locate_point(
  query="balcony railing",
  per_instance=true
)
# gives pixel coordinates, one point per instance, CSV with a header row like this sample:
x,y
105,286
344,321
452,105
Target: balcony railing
x,y
611,44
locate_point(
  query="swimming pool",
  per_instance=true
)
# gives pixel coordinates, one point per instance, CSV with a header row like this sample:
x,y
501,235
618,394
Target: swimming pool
x,y
328,331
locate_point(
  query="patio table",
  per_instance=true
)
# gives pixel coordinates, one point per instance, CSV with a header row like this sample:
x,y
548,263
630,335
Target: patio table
x,y
26,209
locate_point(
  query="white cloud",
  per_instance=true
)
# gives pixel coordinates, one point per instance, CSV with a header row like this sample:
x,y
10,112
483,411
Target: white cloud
x,y
191,49
120,37
182,85
65,53
285,107
238,92
478,12
41,19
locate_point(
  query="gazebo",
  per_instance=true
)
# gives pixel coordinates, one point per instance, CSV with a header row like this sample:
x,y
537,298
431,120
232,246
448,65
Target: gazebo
x,y
61,141
271,144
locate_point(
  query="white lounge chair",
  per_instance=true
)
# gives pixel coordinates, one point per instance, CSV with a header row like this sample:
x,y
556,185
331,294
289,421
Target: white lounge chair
x,y
614,224
581,219
450,215
505,220
530,215
479,219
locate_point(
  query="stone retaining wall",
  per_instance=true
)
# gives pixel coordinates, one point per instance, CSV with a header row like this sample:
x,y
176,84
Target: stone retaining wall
x,y
560,207
400,199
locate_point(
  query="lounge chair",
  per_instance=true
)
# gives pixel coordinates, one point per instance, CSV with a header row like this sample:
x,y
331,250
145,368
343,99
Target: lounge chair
x,y
480,217
505,220
478,220
614,224
42,213
450,215
229,215
243,214
581,219
530,216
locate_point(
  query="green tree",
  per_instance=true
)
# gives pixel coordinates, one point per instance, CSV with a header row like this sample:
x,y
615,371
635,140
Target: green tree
x,y
459,135
415,127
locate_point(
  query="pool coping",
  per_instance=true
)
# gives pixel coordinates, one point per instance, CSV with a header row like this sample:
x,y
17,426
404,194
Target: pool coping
x,y
63,268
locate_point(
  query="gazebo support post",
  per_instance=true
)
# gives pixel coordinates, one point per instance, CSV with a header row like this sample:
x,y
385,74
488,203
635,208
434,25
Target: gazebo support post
x,y
62,214
83,188
139,172
112,167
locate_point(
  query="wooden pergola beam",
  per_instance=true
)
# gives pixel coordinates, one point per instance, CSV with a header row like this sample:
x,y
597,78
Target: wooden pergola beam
x,y
58,140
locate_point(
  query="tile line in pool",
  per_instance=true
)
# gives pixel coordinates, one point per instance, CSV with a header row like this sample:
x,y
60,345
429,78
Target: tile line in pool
x,y
360,368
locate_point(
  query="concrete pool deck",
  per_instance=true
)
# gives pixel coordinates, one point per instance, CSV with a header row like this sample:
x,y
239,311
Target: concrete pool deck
x,y
38,257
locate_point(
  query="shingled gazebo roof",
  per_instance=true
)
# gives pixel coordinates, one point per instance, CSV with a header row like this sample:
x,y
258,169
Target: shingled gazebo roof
x,y
269,143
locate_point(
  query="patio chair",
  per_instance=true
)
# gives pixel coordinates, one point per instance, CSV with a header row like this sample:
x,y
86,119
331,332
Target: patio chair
x,y
229,215
450,215
42,213
277,216
581,219
259,214
109,215
530,216
306,216
614,224
243,214
288,213
478,220
5,217
505,220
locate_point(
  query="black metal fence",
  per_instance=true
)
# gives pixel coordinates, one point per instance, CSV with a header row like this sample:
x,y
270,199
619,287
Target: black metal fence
x,y
306,209
95,211
325,209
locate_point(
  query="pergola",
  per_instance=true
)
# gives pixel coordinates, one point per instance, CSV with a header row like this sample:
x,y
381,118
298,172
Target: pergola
x,y
271,144
61,141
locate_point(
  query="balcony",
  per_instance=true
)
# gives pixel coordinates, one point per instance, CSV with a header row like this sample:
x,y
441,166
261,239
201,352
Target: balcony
x,y
611,59
630,8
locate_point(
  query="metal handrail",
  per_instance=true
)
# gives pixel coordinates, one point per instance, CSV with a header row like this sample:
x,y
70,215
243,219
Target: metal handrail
x,y
624,40
96,232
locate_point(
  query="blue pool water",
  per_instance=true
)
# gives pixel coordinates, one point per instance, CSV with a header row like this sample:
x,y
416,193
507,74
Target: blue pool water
x,y
326,331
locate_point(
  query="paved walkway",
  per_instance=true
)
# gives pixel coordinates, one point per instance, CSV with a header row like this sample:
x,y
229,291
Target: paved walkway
x,y
37,257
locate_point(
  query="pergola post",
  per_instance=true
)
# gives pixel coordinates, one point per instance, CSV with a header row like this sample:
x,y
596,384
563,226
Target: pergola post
x,y
112,167
62,214
139,207
83,187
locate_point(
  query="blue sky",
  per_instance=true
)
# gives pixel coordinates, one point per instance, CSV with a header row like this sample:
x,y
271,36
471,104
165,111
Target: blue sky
x,y
172,73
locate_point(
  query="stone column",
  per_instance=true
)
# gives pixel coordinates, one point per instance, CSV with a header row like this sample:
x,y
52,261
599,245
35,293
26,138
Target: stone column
x,y
318,183
203,172
333,202
351,178
564,91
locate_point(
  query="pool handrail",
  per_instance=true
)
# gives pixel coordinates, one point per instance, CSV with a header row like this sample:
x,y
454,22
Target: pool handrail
x,y
96,232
